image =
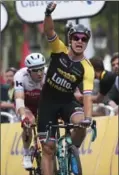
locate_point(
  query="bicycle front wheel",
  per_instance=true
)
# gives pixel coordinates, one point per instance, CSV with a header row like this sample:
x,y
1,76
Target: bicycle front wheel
x,y
74,161
36,160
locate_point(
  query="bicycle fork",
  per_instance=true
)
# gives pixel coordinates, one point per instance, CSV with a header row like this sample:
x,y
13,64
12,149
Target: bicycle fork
x,y
62,155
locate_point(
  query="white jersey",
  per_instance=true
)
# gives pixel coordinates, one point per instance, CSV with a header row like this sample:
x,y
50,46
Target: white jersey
x,y
31,89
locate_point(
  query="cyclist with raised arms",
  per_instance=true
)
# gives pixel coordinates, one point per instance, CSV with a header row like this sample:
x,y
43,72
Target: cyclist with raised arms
x,y
67,69
28,83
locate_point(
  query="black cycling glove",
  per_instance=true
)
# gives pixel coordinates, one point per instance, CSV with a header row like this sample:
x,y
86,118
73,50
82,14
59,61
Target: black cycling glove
x,y
50,8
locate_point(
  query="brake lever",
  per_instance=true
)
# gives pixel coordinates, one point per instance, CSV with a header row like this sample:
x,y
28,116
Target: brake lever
x,y
93,127
94,130
48,128
85,125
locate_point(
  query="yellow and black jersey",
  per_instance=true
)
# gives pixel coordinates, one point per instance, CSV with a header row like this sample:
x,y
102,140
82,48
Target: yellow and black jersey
x,y
65,74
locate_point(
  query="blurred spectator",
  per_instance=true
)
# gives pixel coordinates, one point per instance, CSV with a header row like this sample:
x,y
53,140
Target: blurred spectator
x,y
9,76
5,105
113,94
115,62
106,79
7,93
2,81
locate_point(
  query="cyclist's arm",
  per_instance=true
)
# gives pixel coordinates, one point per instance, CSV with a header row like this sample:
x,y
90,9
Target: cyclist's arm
x,y
19,94
49,27
78,95
19,101
55,43
87,91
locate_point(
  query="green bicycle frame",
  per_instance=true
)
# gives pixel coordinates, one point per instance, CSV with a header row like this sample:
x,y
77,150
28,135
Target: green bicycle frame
x,y
62,154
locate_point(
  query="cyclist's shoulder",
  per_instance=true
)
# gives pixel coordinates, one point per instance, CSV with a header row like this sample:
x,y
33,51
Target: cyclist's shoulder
x,y
86,63
57,45
21,73
87,66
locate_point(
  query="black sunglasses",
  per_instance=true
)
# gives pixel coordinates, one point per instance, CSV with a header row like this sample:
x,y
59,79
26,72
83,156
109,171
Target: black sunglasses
x,y
77,38
38,70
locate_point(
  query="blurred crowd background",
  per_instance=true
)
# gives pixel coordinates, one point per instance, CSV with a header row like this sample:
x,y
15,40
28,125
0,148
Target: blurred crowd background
x,y
20,38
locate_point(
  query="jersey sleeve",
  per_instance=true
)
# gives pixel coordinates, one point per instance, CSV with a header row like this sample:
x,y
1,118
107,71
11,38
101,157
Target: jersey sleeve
x,y
18,82
88,79
57,45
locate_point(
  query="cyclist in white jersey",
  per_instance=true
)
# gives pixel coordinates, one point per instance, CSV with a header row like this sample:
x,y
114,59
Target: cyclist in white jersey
x,y
28,83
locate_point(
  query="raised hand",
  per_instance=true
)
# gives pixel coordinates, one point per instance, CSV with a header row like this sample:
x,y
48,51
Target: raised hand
x,y
50,8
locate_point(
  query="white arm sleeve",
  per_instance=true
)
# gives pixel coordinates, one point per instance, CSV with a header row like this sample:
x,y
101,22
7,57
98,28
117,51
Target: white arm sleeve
x,y
19,86
18,82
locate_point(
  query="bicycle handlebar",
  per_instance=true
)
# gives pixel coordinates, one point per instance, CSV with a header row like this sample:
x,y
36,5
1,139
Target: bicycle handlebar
x,y
69,126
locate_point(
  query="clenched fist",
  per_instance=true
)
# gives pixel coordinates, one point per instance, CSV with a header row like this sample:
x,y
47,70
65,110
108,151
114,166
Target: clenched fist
x,y
50,8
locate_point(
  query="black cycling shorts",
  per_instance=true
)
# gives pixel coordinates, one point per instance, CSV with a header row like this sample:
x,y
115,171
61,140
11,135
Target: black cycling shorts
x,y
51,112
